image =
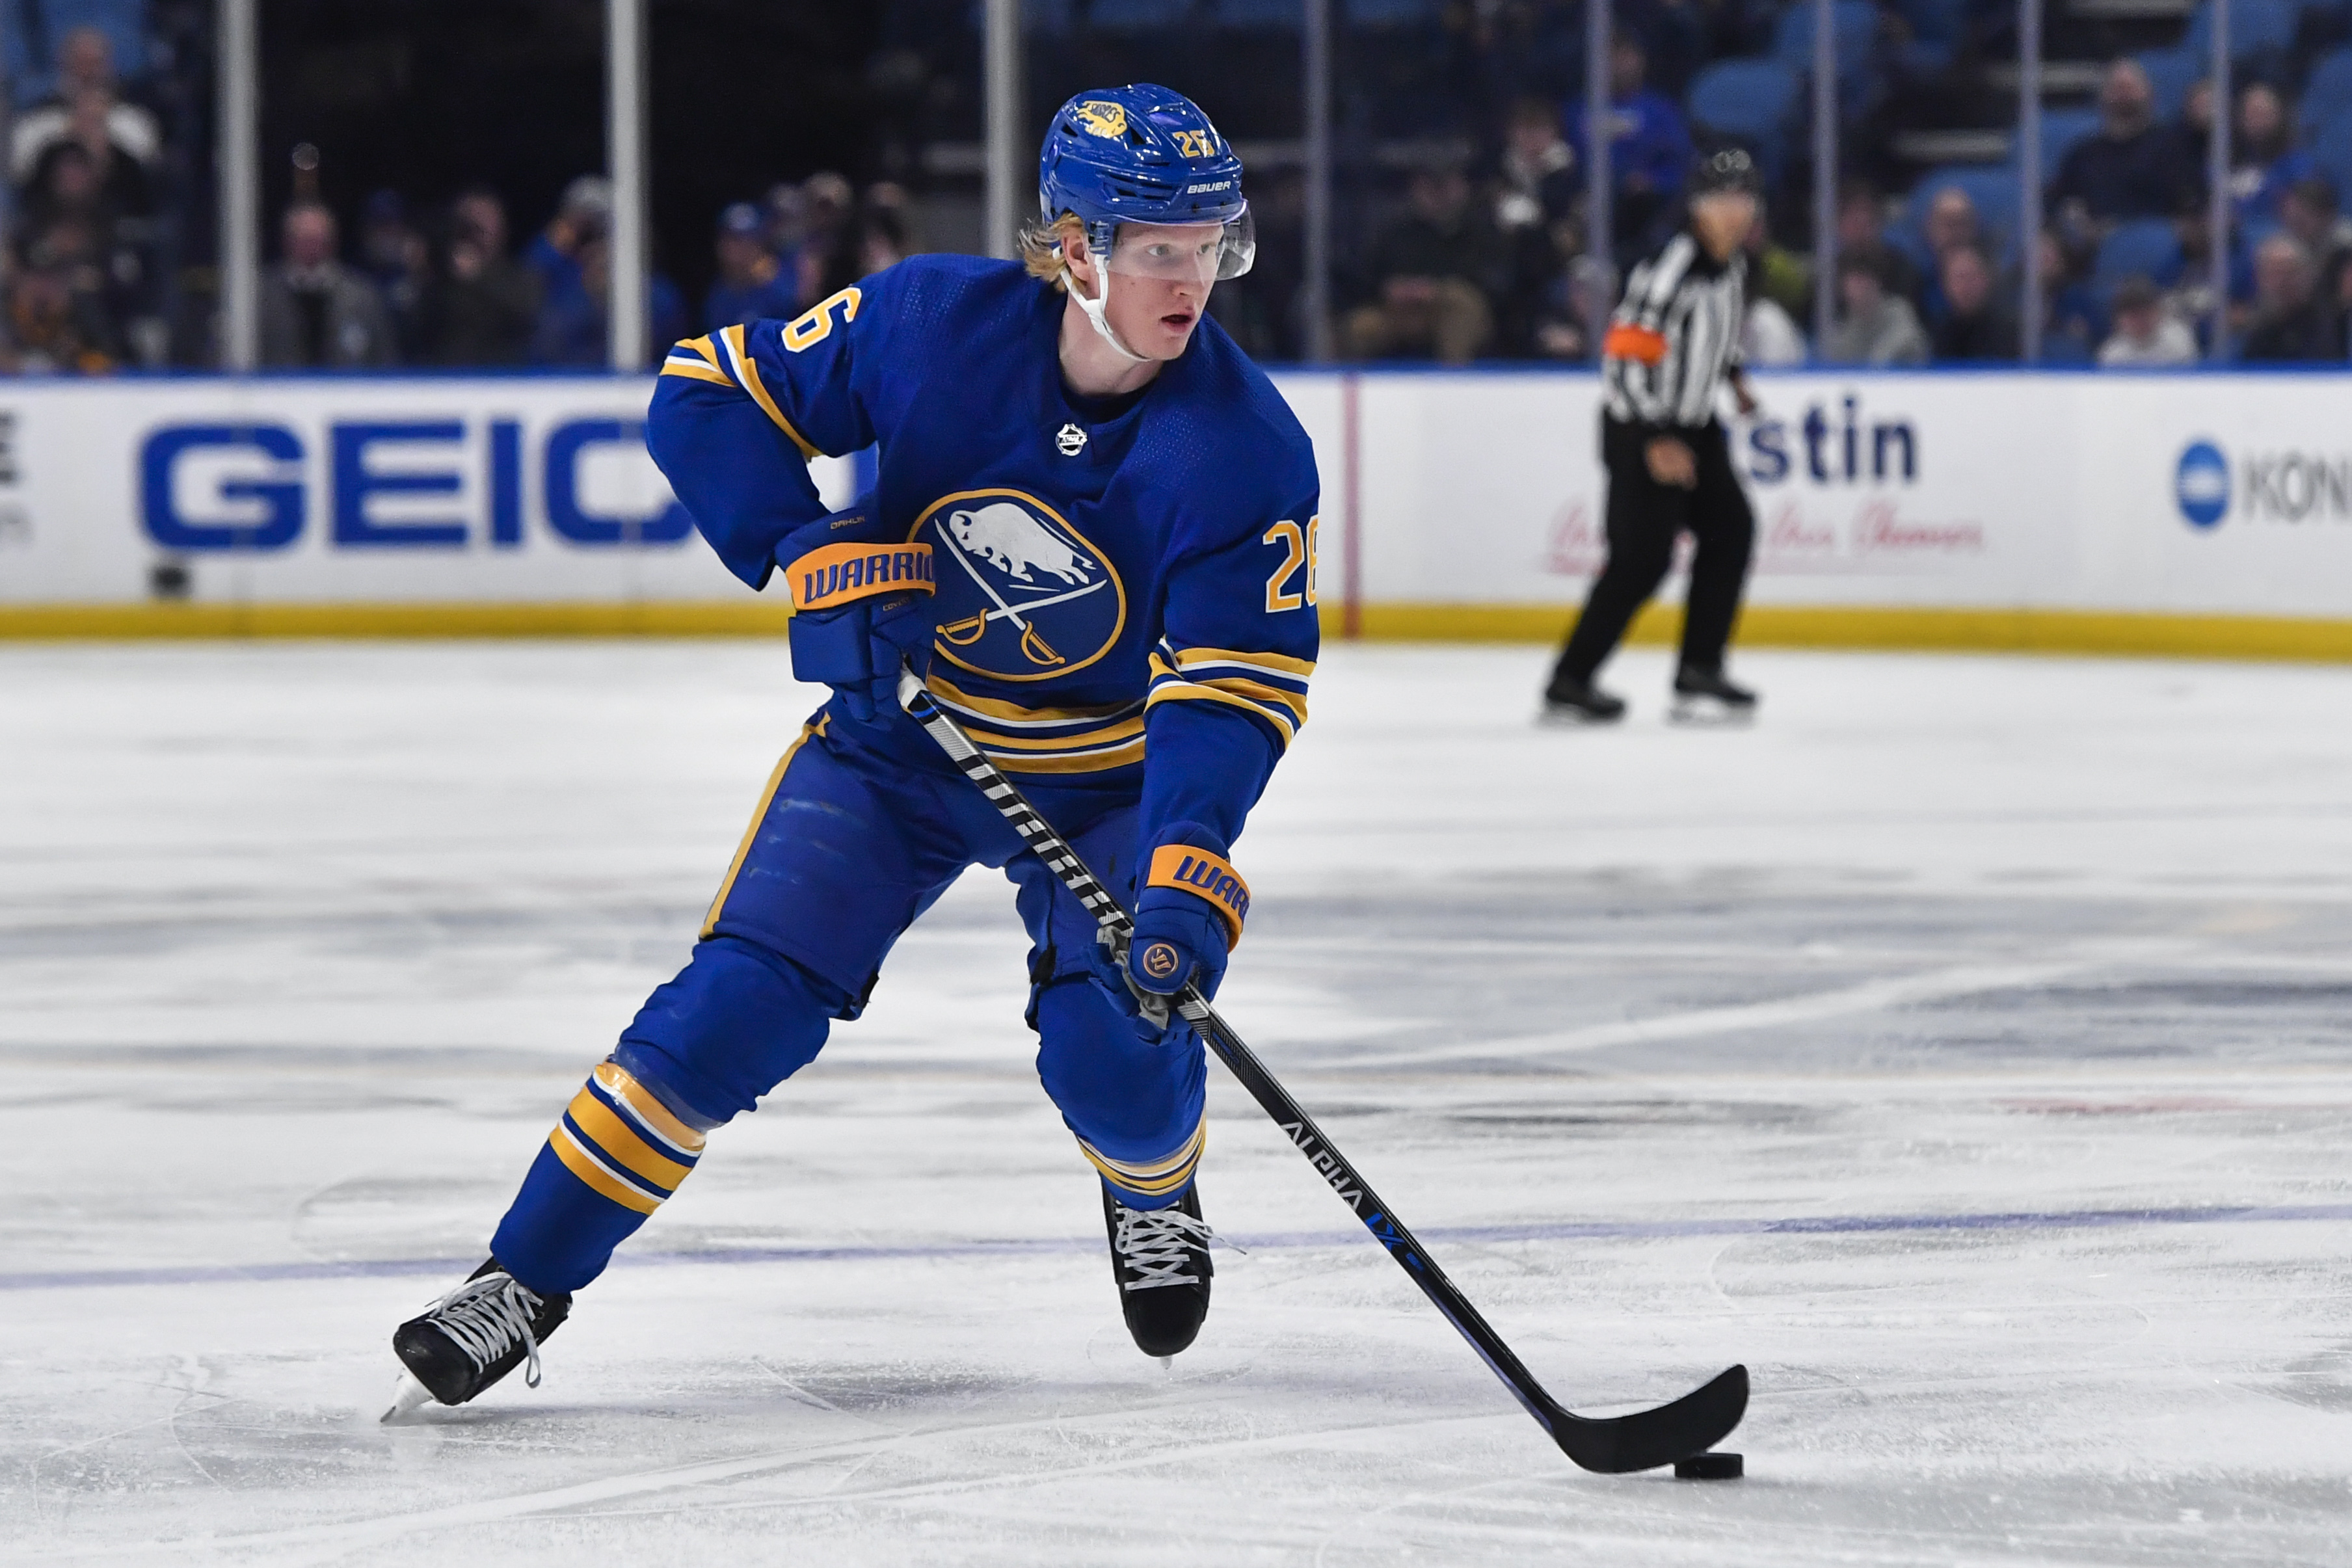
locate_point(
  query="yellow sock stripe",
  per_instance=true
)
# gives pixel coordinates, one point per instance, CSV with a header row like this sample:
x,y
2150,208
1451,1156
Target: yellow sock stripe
x,y
588,1168
620,1143
751,833
654,1115
748,374
1153,1177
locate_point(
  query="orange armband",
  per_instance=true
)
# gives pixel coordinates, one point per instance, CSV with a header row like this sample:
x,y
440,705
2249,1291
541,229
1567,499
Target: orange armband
x,y
1210,876
833,575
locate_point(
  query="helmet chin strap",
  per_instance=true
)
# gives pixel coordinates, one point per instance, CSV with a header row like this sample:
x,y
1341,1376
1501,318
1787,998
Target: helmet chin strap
x,y
1096,307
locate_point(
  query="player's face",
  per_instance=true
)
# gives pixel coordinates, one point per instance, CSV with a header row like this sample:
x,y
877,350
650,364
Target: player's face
x,y
1162,275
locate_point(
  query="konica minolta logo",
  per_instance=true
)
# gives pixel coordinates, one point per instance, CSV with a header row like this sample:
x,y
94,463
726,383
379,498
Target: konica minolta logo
x,y
2200,483
2273,486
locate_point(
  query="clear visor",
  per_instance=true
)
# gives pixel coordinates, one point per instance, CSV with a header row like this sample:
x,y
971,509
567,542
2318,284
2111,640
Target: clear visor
x,y
1185,253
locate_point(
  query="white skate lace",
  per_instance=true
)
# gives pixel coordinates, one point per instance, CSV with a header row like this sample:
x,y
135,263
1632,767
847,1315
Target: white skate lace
x,y
484,1318
1157,1245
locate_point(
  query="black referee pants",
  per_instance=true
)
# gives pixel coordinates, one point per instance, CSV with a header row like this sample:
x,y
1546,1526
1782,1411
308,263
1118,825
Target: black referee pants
x,y
1645,519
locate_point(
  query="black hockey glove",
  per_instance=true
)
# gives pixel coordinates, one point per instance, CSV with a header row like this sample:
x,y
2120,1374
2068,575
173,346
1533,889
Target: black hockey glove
x,y
861,608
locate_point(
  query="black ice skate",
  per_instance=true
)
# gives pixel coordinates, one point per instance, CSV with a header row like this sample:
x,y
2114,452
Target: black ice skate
x,y
472,1337
1704,697
1579,702
1160,1258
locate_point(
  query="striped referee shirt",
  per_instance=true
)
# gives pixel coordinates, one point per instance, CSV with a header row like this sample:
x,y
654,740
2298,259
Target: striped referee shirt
x,y
1675,337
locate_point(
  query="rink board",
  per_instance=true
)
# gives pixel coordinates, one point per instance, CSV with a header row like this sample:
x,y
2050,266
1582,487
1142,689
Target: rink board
x,y
2175,513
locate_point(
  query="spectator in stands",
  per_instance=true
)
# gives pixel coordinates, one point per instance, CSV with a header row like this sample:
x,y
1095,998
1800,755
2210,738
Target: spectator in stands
x,y
481,307
396,259
72,230
1263,309
1771,336
1977,324
882,241
56,327
2133,167
1433,269
1951,224
2147,334
1777,272
575,330
1534,196
583,215
315,311
2265,161
1563,329
2308,212
752,282
1874,325
1862,232
828,258
786,213
85,71
2291,321
1649,152
2074,323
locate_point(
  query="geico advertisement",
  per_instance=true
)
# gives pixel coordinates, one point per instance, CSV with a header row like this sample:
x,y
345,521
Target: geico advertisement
x,y
2216,494
328,489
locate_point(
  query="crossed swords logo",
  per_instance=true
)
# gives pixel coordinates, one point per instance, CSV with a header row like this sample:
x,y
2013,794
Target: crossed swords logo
x,y
965,632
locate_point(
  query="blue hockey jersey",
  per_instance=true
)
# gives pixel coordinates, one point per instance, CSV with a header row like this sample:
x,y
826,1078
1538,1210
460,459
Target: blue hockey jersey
x,y
1140,586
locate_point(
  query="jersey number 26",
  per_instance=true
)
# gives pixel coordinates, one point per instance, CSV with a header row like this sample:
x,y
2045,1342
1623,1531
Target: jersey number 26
x,y
1298,550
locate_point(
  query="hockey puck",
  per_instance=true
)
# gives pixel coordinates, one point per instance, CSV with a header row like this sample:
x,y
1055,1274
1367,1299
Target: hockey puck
x,y
1710,1467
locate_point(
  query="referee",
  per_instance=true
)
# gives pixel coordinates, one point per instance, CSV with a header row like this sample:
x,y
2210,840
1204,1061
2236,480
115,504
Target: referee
x,y
1673,342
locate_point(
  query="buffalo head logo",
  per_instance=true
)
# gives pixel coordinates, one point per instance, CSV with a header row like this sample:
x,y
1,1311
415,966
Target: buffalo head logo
x,y
1009,538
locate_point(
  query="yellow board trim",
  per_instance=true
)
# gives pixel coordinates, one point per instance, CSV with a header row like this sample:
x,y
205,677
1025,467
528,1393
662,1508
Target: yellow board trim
x,y
751,833
580,1163
2136,633
623,1144
2130,633
740,356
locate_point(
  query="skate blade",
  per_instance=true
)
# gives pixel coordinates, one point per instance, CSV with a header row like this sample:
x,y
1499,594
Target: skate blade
x,y
406,1400
1707,713
1575,719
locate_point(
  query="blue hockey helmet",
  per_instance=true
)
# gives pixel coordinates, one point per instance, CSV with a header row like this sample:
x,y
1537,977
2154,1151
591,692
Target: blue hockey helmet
x,y
1143,154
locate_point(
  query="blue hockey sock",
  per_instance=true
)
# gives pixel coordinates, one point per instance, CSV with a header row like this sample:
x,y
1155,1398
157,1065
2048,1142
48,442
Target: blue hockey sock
x,y
616,1153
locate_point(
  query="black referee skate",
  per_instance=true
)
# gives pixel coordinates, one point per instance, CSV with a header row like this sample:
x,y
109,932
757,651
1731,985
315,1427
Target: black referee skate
x,y
1160,1258
1579,702
472,1337
1704,697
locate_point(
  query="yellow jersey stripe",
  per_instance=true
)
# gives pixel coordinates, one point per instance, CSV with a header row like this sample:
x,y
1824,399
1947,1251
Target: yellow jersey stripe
x,y
1193,692
1276,663
751,833
1091,762
1128,731
1292,701
694,369
739,359
619,1143
590,1170
1012,713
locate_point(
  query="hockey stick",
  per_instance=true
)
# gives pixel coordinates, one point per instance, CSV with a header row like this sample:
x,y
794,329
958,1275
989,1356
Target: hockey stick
x,y
1612,1444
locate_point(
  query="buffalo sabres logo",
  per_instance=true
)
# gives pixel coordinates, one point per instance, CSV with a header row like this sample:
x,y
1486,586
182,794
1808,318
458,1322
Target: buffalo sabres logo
x,y
1102,119
1023,596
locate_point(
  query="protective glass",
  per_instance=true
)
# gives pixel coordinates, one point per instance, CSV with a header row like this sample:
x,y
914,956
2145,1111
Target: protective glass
x,y
1185,253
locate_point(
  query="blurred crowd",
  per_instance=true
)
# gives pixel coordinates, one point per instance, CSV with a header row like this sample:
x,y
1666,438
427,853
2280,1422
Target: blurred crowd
x,y
82,286
452,288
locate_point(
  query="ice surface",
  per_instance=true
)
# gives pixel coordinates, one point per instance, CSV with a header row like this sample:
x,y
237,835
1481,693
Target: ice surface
x,y
1965,1048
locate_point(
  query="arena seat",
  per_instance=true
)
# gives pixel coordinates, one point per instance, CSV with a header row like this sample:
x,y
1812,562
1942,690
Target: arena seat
x,y
2327,92
2148,246
2256,26
1752,101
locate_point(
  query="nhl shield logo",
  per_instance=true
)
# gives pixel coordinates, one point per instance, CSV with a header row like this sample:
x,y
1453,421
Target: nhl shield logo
x,y
1070,439
1023,596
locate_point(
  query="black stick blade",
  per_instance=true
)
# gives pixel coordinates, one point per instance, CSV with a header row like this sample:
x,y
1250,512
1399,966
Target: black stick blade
x,y
1616,1444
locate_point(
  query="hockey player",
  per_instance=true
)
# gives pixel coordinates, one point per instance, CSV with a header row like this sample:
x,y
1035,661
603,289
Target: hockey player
x,y
1094,530
1672,344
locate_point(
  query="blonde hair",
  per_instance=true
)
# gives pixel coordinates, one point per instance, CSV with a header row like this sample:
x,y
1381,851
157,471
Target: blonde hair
x,y
1041,248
